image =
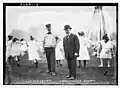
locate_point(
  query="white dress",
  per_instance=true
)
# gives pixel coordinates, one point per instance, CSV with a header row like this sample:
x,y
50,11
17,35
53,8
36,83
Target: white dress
x,y
15,50
106,50
32,50
83,52
23,47
8,49
59,51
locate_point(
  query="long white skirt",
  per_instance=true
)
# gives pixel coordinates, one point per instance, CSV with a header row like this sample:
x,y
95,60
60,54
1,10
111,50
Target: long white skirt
x,y
15,50
32,51
83,53
59,51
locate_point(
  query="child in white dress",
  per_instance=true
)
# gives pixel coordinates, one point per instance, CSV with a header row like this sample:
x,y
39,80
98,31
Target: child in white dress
x,y
15,51
106,50
33,51
24,46
59,53
84,55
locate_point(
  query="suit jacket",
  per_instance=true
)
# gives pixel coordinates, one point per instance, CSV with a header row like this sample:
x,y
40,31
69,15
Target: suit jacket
x,y
71,46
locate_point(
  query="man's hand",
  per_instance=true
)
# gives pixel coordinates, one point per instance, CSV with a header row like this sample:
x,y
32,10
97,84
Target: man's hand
x,y
76,54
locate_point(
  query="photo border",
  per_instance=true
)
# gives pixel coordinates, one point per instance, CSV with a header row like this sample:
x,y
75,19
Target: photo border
x,y
55,4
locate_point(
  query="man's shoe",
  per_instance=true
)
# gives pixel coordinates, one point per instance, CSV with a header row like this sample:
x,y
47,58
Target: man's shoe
x,y
71,78
68,76
100,66
53,73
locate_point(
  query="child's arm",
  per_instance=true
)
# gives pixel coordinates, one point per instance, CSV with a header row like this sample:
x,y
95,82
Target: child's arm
x,y
90,42
97,45
112,52
97,48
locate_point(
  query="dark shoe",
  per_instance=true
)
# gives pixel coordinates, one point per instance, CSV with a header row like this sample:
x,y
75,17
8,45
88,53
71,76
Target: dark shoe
x,y
71,78
53,73
68,76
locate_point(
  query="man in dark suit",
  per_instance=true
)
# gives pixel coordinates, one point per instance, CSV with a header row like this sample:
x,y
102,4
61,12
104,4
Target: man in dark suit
x,y
71,49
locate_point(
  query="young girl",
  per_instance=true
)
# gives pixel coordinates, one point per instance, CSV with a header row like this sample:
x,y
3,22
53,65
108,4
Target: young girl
x,y
84,55
106,51
23,47
59,52
32,51
15,52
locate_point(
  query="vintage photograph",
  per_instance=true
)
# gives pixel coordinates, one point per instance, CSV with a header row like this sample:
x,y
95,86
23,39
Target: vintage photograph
x,y
60,44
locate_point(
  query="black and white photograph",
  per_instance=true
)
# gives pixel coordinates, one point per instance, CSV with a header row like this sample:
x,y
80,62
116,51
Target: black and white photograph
x,y
60,43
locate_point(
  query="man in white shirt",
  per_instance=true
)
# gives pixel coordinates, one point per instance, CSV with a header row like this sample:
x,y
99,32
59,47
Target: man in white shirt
x,y
49,45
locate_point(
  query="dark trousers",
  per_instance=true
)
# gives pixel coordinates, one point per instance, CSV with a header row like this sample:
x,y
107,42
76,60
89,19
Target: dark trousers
x,y
50,55
72,66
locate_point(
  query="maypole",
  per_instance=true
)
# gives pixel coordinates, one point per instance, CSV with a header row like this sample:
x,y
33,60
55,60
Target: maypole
x,y
98,27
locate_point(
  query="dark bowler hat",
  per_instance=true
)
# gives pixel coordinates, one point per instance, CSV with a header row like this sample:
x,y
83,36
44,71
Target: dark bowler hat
x,y
48,25
67,27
